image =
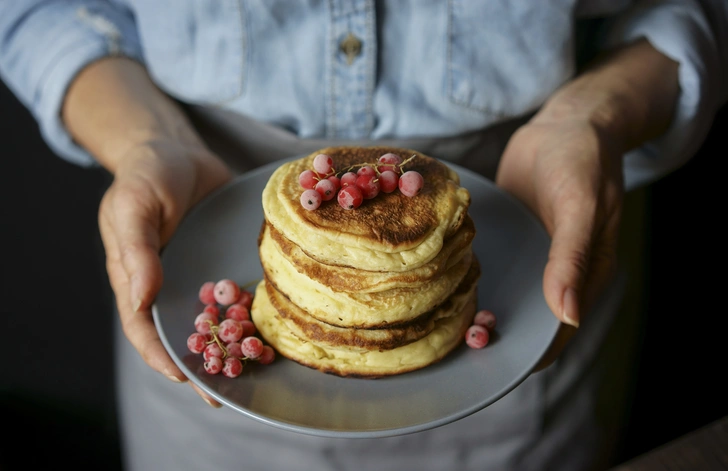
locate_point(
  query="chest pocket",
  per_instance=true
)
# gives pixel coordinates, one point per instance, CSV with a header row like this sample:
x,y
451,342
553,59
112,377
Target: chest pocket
x,y
506,57
196,54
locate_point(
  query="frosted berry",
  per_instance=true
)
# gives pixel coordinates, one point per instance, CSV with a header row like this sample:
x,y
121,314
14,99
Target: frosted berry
x,y
212,350
410,183
311,199
485,318
323,164
233,349
196,342
213,365
238,312
230,330
267,356
366,170
204,321
213,309
389,162
350,197
248,328
232,367
336,181
246,298
326,189
369,186
308,179
252,347
348,179
477,336
207,292
388,181
226,292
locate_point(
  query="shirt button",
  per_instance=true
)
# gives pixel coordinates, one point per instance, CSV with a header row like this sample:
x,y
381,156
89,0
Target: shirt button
x,y
351,46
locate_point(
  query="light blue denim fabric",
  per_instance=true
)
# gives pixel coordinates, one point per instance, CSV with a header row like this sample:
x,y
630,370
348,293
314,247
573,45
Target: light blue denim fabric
x,y
425,67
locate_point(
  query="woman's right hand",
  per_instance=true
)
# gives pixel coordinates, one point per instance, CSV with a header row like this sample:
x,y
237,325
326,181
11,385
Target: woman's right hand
x,y
154,185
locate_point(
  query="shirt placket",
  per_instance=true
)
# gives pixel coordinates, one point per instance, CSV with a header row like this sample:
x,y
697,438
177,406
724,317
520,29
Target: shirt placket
x,y
351,59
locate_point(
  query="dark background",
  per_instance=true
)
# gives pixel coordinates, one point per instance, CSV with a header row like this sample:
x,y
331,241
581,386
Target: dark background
x,y
56,380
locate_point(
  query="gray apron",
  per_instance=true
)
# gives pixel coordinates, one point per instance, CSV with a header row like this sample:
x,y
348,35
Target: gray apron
x,y
564,418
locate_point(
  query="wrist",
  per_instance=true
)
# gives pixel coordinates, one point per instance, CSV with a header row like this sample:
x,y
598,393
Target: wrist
x,y
628,96
112,107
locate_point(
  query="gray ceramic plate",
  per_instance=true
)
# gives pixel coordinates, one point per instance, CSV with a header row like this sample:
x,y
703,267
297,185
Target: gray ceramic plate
x,y
218,240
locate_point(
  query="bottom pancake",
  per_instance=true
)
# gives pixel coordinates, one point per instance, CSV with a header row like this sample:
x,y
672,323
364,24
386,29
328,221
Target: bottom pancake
x,y
448,333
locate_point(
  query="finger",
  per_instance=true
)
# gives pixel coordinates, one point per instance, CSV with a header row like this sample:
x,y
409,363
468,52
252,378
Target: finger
x,y
136,222
206,397
568,262
602,268
137,326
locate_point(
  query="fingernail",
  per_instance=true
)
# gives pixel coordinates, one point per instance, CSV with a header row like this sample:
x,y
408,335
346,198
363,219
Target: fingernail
x,y
174,378
570,305
210,403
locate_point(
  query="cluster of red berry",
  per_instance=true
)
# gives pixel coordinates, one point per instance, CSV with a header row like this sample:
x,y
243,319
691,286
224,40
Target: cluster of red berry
x,y
352,188
225,334
478,334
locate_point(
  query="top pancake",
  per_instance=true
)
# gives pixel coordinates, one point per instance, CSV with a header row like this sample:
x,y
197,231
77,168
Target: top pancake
x,y
390,232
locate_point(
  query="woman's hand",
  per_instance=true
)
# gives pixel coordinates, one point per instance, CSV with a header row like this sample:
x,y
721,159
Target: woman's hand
x,y
154,185
569,175
565,164
161,169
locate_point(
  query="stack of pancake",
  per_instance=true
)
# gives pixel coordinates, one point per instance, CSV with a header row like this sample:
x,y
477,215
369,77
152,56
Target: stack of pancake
x,y
383,289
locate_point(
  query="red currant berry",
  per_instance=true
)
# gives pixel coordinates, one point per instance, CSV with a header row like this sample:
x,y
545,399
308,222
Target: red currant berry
x,y
485,318
326,189
233,349
336,181
248,328
477,336
252,347
267,356
213,365
196,342
232,367
213,309
207,292
308,179
230,330
389,162
348,179
350,197
204,321
410,183
311,199
369,186
212,350
238,312
226,292
246,298
323,163
388,181
366,170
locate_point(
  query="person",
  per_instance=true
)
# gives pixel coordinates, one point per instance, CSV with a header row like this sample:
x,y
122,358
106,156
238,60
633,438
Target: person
x,y
568,105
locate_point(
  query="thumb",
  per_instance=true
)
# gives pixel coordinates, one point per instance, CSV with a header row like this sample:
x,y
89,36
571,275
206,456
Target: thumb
x,y
568,263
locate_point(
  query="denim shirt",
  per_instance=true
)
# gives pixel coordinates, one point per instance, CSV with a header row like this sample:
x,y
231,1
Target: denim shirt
x,y
358,69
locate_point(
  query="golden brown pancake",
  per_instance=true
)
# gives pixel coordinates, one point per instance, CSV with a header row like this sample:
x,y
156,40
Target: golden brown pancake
x,y
391,232
348,279
306,327
354,309
448,333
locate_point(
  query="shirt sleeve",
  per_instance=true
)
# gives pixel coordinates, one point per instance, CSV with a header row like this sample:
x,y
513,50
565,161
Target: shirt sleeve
x,y
691,33
45,43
